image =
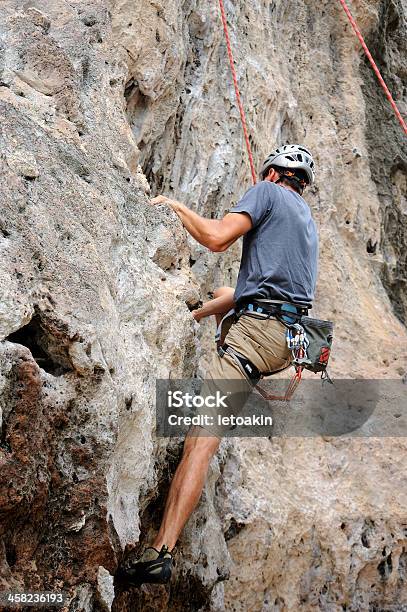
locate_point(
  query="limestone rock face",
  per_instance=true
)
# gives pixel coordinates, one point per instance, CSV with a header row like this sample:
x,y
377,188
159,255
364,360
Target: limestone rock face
x,y
104,103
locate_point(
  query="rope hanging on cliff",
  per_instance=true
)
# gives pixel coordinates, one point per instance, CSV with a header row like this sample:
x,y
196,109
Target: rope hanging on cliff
x,y
374,66
239,101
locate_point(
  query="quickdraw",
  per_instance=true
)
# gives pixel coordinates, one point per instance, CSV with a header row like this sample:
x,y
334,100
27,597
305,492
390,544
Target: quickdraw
x,y
297,342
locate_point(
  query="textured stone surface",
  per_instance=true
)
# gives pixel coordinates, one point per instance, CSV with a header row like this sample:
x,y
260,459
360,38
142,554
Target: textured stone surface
x,y
94,284
387,147
101,101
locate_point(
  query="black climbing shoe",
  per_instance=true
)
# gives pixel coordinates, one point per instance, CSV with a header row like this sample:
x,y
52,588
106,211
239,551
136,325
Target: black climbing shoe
x,y
152,567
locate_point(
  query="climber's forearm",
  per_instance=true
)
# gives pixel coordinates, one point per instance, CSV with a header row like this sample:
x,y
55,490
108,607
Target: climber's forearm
x,y
206,231
218,305
217,235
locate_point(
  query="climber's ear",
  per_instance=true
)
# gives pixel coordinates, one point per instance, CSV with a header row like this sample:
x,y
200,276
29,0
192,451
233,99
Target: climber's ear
x,y
272,176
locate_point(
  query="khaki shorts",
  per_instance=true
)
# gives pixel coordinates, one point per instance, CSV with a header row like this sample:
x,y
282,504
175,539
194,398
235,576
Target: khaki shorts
x,y
263,342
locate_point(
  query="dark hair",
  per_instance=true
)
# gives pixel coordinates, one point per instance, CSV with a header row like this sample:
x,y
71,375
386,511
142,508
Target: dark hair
x,y
297,180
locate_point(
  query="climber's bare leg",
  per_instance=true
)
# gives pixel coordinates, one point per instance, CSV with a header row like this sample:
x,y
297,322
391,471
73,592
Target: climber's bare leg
x,y
219,306
199,448
186,486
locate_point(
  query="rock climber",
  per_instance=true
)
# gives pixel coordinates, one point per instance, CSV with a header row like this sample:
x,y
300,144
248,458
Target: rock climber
x,y
277,275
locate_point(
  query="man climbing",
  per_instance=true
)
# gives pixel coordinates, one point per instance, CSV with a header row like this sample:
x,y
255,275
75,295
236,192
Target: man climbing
x,y
277,275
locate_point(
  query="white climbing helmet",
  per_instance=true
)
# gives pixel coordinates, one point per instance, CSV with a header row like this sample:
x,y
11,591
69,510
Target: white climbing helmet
x,y
291,157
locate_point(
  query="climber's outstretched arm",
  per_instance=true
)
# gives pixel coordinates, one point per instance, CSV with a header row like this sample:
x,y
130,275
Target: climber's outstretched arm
x,y
215,234
223,302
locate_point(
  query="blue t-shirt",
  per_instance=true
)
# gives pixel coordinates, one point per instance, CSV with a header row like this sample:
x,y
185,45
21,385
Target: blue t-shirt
x,y
280,252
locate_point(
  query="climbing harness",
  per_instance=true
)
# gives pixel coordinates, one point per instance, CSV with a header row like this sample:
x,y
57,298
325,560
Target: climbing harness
x,y
239,101
374,66
309,340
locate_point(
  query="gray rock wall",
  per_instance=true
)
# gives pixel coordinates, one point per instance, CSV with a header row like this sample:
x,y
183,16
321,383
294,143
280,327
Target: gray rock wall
x,y
387,147
101,102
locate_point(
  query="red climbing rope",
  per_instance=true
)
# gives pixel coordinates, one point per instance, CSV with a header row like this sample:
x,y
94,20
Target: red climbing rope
x,y
374,66
239,102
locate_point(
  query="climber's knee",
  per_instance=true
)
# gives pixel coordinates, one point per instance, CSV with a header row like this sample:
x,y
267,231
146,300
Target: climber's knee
x,y
200,445
223,291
